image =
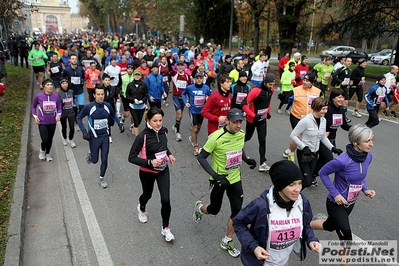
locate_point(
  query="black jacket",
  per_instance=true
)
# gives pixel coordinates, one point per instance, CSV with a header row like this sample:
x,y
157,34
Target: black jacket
x,y
137,89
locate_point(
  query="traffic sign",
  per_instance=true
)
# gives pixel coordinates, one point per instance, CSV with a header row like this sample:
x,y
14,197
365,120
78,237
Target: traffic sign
x,y
137,19
158,32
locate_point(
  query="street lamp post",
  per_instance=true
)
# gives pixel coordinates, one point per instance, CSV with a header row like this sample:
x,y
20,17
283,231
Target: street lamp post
x,y
231,26
311,29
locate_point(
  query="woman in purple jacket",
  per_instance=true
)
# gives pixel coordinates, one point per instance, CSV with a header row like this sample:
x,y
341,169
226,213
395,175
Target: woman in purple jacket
x,y
46,110
350,169
279,220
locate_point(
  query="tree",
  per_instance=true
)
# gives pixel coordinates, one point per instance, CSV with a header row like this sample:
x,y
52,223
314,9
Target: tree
x,y
366,19
10,10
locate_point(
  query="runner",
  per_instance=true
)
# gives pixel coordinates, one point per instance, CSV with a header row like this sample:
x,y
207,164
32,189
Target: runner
x,y
46,110
54,71
150,151
111,96
98,113
195,98
374,97
240,89
226,148
68,114
257,107
92,76
155,87
37,57
262,242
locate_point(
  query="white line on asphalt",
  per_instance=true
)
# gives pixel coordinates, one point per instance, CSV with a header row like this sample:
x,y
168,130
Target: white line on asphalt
x,y
97,238
366,114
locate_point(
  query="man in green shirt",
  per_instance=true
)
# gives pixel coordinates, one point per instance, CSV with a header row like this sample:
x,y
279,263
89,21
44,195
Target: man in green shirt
x,y
37,57
225,145
324,71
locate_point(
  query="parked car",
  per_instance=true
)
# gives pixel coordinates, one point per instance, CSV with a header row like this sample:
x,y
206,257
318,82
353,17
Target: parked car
x,y
355,55
383,51
383,58
337,51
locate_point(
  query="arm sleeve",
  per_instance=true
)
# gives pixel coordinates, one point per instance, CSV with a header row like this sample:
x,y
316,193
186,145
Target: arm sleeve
x,y
329,168
204,163
206,110
34,105
297,131
285,79
80,116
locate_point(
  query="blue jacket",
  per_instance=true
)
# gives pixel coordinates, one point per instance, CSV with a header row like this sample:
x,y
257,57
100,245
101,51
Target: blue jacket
x,y
371,96
155,86
256,214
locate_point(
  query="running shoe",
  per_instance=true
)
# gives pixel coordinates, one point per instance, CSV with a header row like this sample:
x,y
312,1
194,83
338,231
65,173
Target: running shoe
x,y
196,150
42,155
264,167
287,112
48,158
191,141
291,157
118,115
230,247
110,139
356,113
72,143
103,184
168,234
197,214
165,103
348,120
314,182
393,114
379,119
64,142
142,215
88,158
131,127
279,111
286,153
385,113
178,137
37,82
77,129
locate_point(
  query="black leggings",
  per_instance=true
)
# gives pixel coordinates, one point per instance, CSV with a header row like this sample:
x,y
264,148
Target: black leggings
x,y
97,144
338,220
234,193
47,134
325,155
163,181
71,123
156,104
358,91
137,115
261,129
373,118
307,169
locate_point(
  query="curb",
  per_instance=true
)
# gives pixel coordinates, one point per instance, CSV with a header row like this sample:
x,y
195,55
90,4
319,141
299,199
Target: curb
x,y
13,256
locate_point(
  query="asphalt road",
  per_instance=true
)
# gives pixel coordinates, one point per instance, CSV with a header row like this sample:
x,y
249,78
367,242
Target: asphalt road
x,y
70,220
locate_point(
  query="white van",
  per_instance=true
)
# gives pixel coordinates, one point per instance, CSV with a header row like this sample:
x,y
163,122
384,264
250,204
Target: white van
x,y
36,32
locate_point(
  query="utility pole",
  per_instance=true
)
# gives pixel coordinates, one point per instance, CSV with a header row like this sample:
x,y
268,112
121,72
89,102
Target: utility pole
x,y
231,26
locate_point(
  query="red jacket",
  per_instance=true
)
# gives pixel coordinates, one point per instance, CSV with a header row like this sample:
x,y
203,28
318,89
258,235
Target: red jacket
x,y
217,105
283,61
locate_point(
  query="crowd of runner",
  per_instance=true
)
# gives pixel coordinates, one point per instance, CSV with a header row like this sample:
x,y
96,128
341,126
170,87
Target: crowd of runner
x,y
128,80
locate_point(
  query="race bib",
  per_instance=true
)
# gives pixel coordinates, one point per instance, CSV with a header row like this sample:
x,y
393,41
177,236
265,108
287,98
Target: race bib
x,y
49,107
354,191
337,120
36,58
55,70
67,103
240,97
100,123
94,81
165,78
75,80
347,80
233,159
199,100
165,159
283,238
327,76
361,83
181,84
311,97
263,113
380,98
302,73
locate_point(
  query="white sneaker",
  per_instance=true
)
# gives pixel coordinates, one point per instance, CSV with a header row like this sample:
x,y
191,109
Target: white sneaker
x,y
72,143
42,155
118,115
178,137
110,139
64,142
287,112
165,103
142,215
286,153
168,234
379,119
356,113
279,111
174,129
191,141
48,158
263,167
77,128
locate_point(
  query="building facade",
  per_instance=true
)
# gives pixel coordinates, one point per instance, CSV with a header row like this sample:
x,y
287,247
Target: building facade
x,y
51,16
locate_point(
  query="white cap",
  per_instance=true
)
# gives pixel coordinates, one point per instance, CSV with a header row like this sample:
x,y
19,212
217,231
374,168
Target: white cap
x,y
209,44
297,54
162,50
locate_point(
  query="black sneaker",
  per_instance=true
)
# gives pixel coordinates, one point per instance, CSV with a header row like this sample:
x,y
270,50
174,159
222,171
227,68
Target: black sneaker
x,y
314,182
385,113
393,114
348,120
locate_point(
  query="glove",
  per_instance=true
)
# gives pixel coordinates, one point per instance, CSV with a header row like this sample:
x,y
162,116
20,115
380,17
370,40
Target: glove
x,y
268,116
258,119
251,162
336,151
306,151
86,135
136,101
221,180
121,127
298,79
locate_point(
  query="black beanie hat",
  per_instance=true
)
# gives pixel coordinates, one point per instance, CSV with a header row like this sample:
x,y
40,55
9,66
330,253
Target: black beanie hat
x,y
46,81
242,74
284,173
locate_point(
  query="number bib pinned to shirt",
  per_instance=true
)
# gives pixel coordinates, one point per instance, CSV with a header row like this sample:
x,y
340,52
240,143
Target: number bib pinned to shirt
x,y
337,120
263,113
233,159
165,159
240,97
49,107
67,103
100,123
353,193
311,97
199,100
75,80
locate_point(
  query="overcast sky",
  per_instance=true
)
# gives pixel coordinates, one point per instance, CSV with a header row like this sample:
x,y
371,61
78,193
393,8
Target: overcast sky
x,y
74,6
